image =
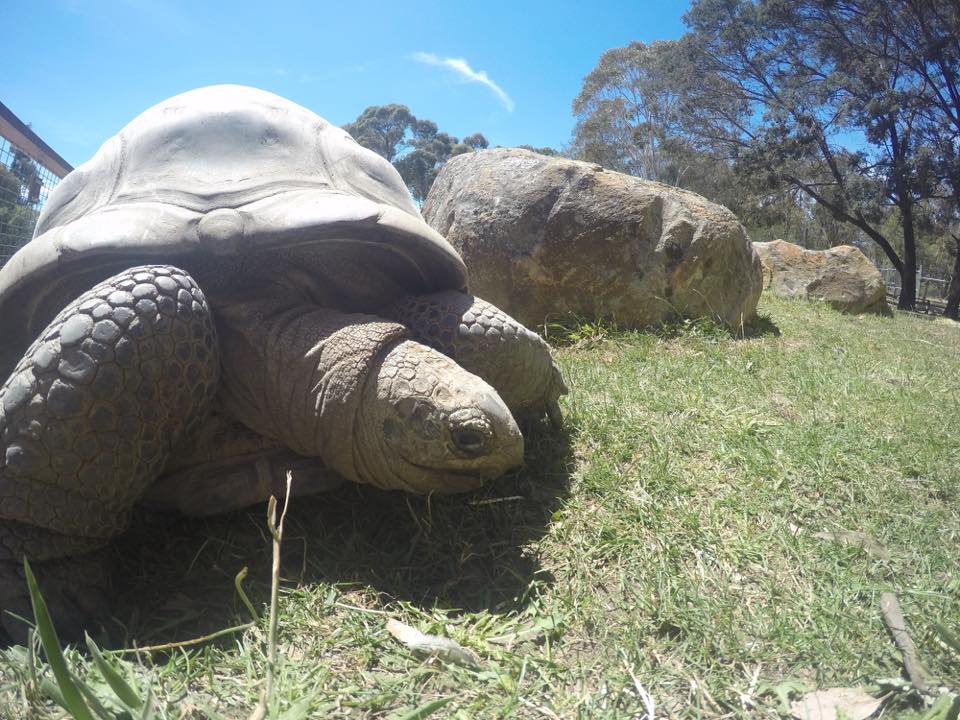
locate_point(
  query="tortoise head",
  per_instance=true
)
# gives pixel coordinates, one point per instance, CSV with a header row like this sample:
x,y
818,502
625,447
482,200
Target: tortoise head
x,y
355,391
428,425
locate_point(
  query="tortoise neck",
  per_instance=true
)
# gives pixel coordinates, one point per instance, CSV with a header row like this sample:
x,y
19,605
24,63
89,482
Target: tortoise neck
x,y
296,374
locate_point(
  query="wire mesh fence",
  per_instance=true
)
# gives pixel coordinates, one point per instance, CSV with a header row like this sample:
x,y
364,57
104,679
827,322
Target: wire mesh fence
x,y
24,186
931,289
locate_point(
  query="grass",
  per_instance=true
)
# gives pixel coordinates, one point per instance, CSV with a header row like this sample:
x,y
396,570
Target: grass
x,y
691,535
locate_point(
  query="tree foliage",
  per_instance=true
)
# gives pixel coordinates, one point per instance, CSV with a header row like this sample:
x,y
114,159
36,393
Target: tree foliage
x,y
17,214
476,142
848,110
416,147
800,88
627,112
384,129
548,151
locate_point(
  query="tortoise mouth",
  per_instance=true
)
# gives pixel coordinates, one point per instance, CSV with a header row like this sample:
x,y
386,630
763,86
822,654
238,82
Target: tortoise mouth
x,y
442,480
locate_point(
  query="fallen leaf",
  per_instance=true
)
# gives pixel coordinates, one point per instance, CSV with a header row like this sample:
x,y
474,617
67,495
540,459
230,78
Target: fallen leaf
x,y
441,647
784,689
827,704
860,539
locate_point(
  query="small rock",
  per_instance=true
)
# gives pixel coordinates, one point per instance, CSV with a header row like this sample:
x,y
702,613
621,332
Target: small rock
x,y
842,276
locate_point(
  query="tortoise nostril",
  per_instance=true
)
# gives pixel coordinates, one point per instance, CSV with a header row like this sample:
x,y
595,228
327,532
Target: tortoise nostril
x,y
471,431
471,441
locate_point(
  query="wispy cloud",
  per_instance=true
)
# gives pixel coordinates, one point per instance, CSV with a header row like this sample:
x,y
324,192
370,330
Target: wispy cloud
x,y
463,69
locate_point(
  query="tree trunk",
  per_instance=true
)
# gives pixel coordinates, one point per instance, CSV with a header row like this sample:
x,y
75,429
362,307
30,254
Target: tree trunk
x,y
908,276
904,201
953,293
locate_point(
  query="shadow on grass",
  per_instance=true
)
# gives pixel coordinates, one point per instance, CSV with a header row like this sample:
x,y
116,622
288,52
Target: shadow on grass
x,y
463,552
709,329
760,326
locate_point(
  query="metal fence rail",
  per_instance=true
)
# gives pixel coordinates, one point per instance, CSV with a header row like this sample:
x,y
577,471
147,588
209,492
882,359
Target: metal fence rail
x,y
931,289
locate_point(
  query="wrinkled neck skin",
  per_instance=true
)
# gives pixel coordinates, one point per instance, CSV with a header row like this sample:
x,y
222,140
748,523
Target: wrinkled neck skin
x,y
352,390
296,374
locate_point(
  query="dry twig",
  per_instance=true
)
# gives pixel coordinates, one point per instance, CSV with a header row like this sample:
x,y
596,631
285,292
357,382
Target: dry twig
x,y
893,617
276,530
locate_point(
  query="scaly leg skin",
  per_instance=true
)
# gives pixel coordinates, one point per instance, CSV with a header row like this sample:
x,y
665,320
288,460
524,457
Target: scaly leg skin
x,y
87,421
486,341
239,483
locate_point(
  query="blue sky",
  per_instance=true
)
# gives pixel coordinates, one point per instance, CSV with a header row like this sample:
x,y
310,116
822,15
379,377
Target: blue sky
x,y
78,70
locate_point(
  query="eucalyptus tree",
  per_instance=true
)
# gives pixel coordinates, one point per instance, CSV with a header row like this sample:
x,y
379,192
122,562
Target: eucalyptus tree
x,y
416,147
852,104
18,215
926,36
385,129
476,142
627,112
901,59
630,118
812,110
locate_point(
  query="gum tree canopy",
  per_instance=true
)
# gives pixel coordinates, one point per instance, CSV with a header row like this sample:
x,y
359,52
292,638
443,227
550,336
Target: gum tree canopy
x,y
416,148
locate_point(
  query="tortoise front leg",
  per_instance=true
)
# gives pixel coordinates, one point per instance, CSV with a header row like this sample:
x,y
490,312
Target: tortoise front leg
x,y
88,418
486,341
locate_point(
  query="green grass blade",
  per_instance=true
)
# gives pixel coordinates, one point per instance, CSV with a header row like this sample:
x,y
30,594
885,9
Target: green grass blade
x,y
947,707
425,710
210,713
49,688
72,698
93,701
127,695
299,710
149,706
238,584
948,637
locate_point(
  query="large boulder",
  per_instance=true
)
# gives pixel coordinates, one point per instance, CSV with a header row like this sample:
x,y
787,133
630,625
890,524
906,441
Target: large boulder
x,y
842,276
545,236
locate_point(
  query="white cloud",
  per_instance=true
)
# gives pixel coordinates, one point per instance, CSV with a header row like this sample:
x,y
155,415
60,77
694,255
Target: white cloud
x,y
463,69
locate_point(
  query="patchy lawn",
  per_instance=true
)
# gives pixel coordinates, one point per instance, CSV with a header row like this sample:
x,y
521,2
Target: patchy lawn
x,y
714,529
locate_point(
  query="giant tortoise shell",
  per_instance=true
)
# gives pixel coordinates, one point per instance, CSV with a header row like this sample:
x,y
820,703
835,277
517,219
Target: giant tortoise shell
x,y
234,185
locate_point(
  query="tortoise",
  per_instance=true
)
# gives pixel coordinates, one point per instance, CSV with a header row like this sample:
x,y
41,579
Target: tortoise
x,y
232,289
